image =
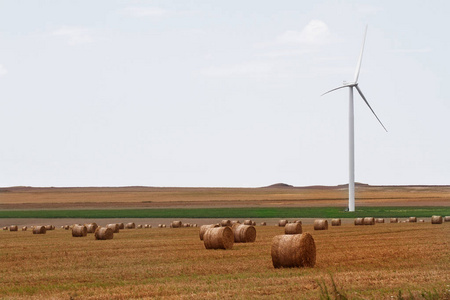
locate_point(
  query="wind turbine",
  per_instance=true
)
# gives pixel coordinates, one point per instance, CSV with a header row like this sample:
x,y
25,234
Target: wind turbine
x,y
351,127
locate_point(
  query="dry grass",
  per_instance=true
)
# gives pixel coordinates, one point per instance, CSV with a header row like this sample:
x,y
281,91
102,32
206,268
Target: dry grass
x,y
369,262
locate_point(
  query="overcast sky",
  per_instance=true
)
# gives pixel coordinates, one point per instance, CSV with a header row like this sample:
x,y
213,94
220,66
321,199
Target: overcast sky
x,y
222,93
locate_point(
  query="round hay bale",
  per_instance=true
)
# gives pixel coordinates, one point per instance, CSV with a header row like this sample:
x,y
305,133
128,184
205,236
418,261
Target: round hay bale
x,y
359,221
234,222
218,238
130,225
263,223
5,228
48,227
24,228
104,233
13,228
159,225
203,229
224,223
393,220
248,222
79,231
114,227
121,225
282,223
66,227
379,220
447,219
293,228
421,221
149,226
369,221
320,224
244,234
176,224
436,220
146,226
336,222
91,227
195,225
163,225
39,230
293,250
139,226
298,221
412,219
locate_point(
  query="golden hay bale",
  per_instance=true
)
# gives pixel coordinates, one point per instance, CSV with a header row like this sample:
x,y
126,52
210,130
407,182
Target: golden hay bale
x,y
13,228
379,220
369,221
91,227
359,221
224,223
293,250
176,224
412,219
195,225
282,223
114,227
447,219
393,220
159,225
436,220
130,225
335,222
248,222
421,221
293,228
218,238
320,224
5,228
24,228
139,226
235,221
79,231
203,229
121,225
48,227
66,227
244,234
146,226
103,233
263,223
39,230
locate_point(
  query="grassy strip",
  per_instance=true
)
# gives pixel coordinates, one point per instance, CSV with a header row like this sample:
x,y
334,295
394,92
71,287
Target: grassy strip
x,y
247,212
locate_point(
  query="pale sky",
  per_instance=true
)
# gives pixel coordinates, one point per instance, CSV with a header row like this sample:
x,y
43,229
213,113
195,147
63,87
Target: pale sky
x,y
221,93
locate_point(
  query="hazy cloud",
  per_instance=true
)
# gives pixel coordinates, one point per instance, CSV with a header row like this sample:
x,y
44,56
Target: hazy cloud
x,y
316,32
74,35
3,70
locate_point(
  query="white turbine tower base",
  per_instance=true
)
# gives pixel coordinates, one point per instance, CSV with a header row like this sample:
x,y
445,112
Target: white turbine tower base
x,y
351,127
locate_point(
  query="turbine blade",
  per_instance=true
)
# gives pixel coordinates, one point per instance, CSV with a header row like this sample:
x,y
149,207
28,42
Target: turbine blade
x,y
358,67
341,87
365,100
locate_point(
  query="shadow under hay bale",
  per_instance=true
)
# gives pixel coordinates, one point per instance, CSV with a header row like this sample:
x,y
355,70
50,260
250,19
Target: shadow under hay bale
x,y
369,221
293,228
336,222
176,224
393,220
320,224
296,250
218,238
104,233
282,223
39,230
114,227
436,220
203,229
244,234
79,231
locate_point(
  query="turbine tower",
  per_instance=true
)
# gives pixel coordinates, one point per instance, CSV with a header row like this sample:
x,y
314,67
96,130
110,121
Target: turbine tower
x,y
351,128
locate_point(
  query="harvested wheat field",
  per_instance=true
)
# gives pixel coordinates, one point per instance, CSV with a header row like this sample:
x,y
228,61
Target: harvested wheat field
x,y
366,262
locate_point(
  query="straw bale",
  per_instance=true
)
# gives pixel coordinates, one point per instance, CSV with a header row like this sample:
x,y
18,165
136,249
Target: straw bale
x,y
393,220
447,219
13,228
359,221
421,221
320,224
130,225
298,221
412,219
293,250
121,225
244,234
103,233
369,221
224,223
146,226
176,224
79,231
235,221
218,238
282,223
293,228
24,228
159,225
379,220
436,220
195,225
203,229
39,230
139,226
5,228
49,227
91,227
263,223
336,222
248,222
115,227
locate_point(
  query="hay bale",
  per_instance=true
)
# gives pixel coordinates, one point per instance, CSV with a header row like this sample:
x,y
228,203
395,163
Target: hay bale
x,y
159,225
218,238
336,222
379,220
293,228
5,228
235,222
115,227
79,231
66,227
254,223
164,226
412,219
248,222
224,223
263,224
176,224
146,226
91,227
39,230
421,221
48,227
104,233
13,228
244,234
130,225
282,223
24,228
436,220
298,221
293,250
121,225
447,219
195,225
139,226
359,221
203,229
369,221
320,224
393,220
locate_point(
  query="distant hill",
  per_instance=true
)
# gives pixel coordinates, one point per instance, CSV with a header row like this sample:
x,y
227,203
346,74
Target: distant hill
x,y
279,186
